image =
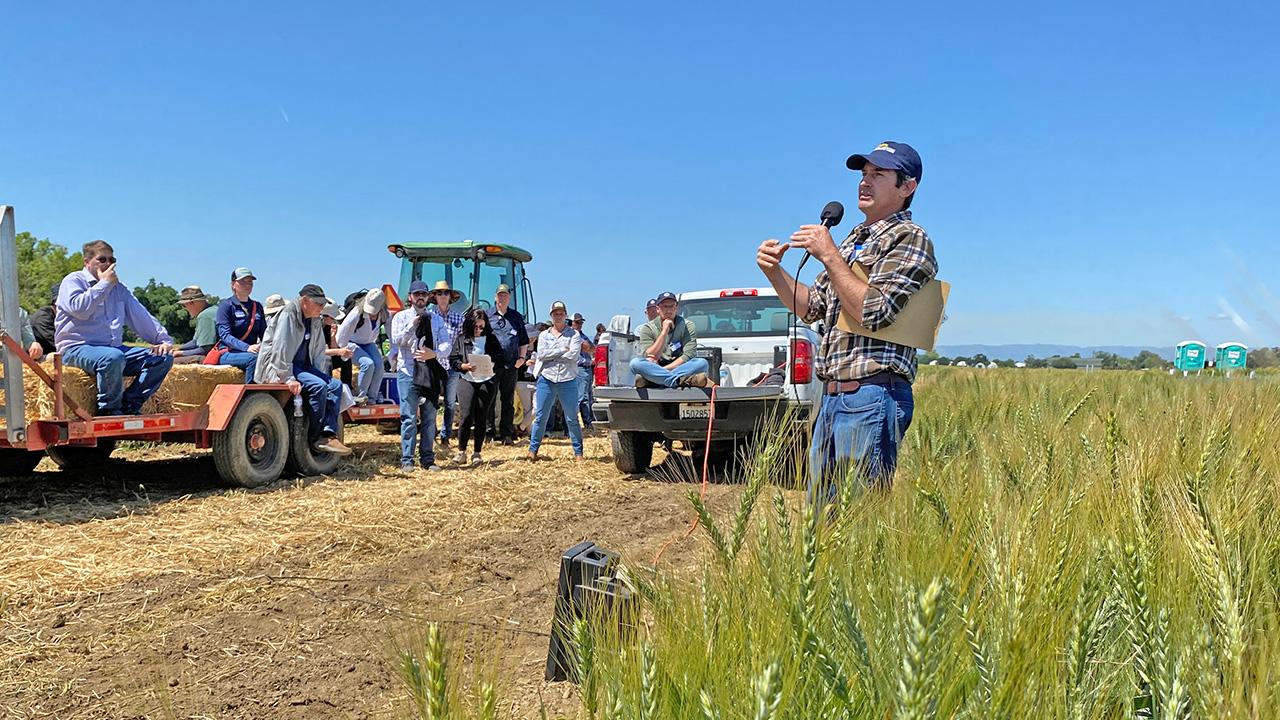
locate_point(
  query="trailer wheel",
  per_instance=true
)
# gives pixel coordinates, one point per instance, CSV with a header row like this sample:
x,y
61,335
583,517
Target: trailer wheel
x,y
304,459
16,462
251,452
632,451
77,458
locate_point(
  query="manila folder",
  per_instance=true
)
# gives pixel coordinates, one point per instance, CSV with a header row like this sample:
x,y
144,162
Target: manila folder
x,y
917,325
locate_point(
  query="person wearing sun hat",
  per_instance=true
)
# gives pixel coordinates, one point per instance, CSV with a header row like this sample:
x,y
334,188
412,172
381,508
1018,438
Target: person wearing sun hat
x,y
196,303
857,371
443,296
241,324
359,332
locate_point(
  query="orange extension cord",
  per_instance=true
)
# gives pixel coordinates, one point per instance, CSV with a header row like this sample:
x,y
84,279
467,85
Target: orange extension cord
x,y
711,420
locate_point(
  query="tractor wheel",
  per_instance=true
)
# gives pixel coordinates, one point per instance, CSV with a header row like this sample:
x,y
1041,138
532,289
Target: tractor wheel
x,y
79,458
16,462
632,451
252,451
304,459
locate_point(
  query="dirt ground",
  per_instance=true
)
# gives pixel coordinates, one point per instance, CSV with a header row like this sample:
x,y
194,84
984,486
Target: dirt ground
x,y
149,589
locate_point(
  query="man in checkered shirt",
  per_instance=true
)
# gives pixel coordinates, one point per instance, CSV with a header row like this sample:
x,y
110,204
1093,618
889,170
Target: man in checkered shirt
x,y
867,402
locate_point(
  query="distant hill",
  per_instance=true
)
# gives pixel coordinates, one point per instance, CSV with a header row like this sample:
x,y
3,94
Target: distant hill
x,y
1020,352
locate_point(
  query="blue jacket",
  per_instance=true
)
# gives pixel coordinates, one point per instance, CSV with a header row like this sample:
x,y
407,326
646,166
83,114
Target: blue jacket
x,y
233,321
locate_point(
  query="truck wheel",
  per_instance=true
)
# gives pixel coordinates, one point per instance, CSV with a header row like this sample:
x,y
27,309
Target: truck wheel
x,y
80,458
304,460
251,452
632,451
16,462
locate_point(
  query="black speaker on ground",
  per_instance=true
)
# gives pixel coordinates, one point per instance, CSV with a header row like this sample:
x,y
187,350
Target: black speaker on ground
x,y
588,588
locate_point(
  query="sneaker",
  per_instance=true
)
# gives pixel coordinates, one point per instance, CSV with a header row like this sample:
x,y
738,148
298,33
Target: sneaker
x,y
578,459
460,457
433,468
508,441
444,441
531,457
475,459
406,467
695,380
641,382
362,399
333,446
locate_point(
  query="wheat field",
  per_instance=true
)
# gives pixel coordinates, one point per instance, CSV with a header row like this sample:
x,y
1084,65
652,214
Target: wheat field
x,y
1057,544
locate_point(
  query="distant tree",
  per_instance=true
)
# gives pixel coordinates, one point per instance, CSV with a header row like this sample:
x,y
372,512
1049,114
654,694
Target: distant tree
x,y
1147,360
927,357
42,265
1004,363
162,302
1063,363
1264,358
980,358
944,360
1034,362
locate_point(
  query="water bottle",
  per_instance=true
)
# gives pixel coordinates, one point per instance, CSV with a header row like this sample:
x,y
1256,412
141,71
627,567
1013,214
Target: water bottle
x,y
725,380
297,406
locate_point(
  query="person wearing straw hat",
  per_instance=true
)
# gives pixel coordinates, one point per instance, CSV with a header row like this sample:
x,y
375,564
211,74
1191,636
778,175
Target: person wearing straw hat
x,y
444,296
196,303
295,354
556,368
359,332
240,324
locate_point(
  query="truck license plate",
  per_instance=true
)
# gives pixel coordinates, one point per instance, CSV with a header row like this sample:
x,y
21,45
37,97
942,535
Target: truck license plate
x,y
695,411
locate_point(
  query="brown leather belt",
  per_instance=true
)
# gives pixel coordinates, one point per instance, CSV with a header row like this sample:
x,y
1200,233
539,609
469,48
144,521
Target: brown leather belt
x,y
884,377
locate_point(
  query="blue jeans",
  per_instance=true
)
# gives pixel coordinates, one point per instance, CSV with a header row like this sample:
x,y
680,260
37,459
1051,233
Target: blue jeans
x,y
369,360
322,393
246,361
450,399
415,417
110,365
566,393
858,434
658,375
584,395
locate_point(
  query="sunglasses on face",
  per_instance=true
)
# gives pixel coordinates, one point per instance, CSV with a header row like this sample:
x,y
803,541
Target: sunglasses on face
x,y
103,259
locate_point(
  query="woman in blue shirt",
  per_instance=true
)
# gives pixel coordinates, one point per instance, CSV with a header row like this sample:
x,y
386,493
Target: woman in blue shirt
x,y
241,324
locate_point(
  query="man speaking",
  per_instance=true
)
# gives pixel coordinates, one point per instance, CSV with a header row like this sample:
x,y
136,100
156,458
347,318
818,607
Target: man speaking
x,y
867,402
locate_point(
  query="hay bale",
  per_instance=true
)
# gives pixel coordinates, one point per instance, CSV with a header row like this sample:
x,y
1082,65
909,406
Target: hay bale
x,y
186,387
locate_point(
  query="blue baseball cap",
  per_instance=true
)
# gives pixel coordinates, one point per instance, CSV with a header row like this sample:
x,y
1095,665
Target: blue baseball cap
x,y
417,286
890,156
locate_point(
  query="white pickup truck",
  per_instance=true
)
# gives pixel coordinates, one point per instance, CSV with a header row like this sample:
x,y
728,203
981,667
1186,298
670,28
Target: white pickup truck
x,y
743,333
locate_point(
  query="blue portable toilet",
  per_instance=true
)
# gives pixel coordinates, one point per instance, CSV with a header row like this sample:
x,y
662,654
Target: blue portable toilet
x,y
1232,356
1189,356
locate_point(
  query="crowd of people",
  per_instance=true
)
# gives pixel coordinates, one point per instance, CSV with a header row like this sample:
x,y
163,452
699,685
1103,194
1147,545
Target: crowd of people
x,y
445,360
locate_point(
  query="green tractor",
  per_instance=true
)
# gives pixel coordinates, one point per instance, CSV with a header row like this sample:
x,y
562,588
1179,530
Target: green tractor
x,y
474,269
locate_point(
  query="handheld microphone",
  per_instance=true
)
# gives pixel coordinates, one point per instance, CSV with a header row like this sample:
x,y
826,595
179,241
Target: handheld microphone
x,y
831,216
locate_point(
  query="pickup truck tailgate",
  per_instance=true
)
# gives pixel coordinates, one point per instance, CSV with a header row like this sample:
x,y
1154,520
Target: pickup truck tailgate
x,y
682,413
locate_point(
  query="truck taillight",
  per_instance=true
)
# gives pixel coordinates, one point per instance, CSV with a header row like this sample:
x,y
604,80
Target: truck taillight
x,y
749,292
602,365
801,361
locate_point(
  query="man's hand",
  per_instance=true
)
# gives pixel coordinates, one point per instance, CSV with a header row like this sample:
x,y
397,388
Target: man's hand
x,y
424,354
345,353
162,349
294,386
467,367
520,362
817,240
769,255
109,275
36,351
668,326
253,348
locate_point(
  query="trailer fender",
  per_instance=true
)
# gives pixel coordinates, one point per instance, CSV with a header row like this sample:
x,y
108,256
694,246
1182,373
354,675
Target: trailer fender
x,y
226,398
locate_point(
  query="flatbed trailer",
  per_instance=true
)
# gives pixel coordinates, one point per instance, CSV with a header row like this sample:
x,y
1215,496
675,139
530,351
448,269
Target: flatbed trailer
x,y
252,437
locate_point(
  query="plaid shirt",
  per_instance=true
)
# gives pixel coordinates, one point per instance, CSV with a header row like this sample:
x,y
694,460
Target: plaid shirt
x,y
898,256
452,320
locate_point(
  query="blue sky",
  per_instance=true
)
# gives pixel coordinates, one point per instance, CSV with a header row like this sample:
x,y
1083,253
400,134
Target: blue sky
x,y
1094,172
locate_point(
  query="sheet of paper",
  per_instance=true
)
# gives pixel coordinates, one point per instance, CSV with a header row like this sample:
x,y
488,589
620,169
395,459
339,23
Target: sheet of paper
x,y
483,367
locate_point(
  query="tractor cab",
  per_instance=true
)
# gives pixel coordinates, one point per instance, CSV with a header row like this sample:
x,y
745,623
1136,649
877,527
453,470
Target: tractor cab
x,y
474,269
